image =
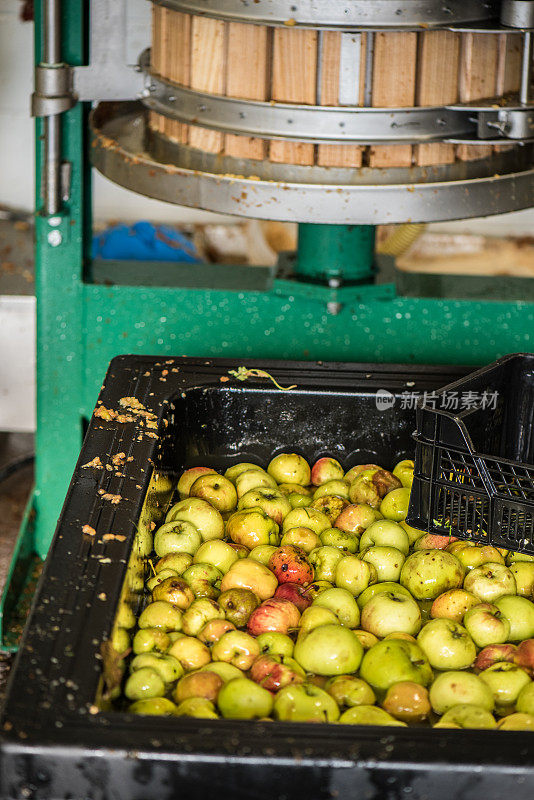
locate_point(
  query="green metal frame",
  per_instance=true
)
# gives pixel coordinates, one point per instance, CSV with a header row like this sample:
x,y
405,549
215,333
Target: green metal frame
x,y
83,320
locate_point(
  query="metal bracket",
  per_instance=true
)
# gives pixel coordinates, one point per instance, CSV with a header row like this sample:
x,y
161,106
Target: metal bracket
x,y
119,30
510,123
53,90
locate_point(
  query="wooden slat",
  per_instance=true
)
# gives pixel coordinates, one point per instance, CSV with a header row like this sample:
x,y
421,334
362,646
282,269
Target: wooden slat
x,y
336,155
437,85
171,48
509,63
478,68
294,79
394,63
207,74
246,77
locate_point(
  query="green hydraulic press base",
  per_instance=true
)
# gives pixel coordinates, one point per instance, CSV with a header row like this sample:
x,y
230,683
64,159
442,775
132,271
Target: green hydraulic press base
x,y
327,303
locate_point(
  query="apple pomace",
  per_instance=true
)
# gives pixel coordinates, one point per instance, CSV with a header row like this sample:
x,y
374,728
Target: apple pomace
x,y
329,650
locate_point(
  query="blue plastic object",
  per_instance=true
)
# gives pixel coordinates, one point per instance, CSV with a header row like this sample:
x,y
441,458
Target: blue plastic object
x,y
144,242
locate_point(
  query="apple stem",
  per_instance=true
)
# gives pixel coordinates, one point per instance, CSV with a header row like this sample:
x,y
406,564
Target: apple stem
x,y
242,374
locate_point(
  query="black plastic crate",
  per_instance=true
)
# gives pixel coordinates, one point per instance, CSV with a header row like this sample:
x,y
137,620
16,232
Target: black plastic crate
x,y
474,464
56,743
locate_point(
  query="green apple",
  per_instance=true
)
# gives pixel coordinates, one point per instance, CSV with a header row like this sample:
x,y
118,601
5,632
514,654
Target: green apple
x,y
468,717
237,648
369,715
525,700
386,533
213,630
218,553
223,669
333,537
253,479
147,640
275,644
252,527
339,488
143,684
349,691
404,472
152,582
301,537
387,561
167,667
413,533
236,469
389,613
158,706
290,468
294,488
486,625
299,500
324,561
513,557
394,660
199,612
428,573
306,518
249,574
329,650
206,519
216,490
342,604
523,572
177,537
472,555
506,681
366,639
241,698
190,652
490,581
174,590
188,478
198,707
203,579
520,614
161,614
177,562
447,645
237,605
271,501
305,702
354,574
457,688
316,588
378,588
315,616
263,553
517,722
395,504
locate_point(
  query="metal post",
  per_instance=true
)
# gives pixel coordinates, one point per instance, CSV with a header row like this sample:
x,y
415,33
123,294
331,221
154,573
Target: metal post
x,y
335,253
526,68
52,129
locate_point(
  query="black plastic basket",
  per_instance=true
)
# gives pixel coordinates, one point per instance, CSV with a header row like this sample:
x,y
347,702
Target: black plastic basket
x,y
474,462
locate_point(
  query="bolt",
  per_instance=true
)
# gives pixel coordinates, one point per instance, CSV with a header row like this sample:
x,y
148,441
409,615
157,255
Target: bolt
x,y
333,308
54,238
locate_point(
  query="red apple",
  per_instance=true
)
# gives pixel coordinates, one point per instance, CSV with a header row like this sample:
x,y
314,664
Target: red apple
x,y
433,541
275,614
355,518
295,593
492,654
290,565
275,672
524,656
326,469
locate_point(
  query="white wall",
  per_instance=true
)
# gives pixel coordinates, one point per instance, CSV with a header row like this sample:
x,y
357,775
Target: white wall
x,y
112,202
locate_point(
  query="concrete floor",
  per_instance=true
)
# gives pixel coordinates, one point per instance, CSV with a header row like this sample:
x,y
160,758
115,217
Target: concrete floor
x,y
14,493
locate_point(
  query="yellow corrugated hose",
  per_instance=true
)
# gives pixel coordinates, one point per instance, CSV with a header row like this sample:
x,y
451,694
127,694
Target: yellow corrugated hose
x,y
401,239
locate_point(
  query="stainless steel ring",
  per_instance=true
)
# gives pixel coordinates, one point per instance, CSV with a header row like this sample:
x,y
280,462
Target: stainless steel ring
x,y
328,124
498,184
347,14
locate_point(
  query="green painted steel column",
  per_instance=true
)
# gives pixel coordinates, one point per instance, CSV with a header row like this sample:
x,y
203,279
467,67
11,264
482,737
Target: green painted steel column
x,y
60,307
342,252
